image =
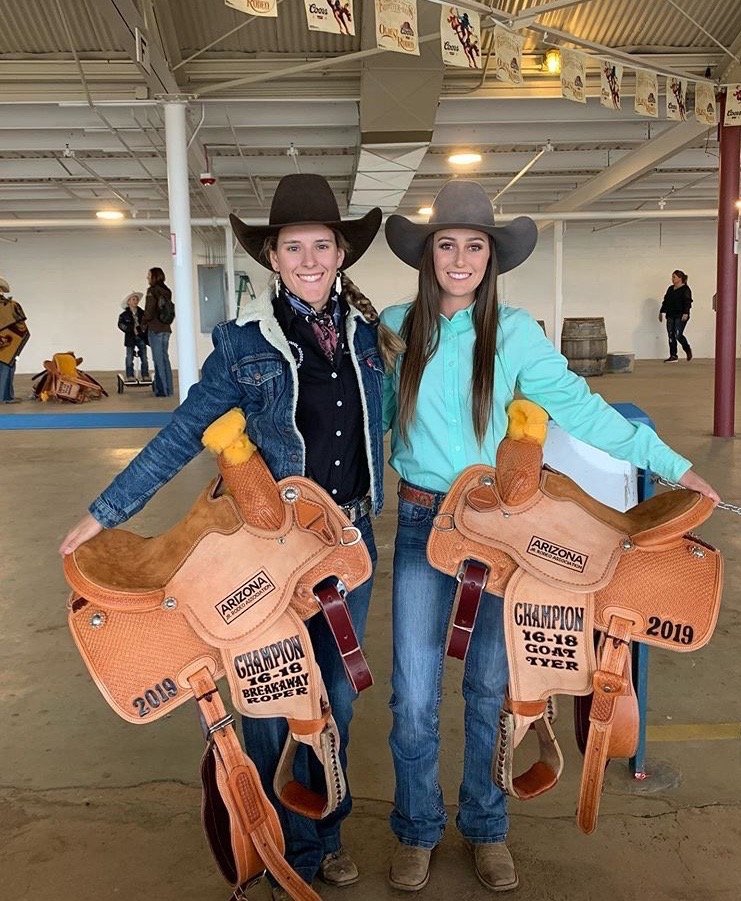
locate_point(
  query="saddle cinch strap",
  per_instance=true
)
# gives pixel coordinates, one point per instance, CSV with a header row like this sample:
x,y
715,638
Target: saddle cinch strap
x,y
225,592
566,564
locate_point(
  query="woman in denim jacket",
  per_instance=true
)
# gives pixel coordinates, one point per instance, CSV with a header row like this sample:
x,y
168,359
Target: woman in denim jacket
x,y
303,364
446,400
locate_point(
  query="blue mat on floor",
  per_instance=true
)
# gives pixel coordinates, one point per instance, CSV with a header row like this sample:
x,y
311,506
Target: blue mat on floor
x,y
144,420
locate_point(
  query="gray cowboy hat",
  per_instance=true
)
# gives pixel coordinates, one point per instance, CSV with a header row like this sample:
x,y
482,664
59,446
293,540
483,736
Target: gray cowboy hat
x,y
463,204
307,200
4,285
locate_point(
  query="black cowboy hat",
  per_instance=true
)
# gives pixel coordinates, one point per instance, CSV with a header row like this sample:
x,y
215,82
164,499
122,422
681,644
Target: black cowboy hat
x,y
307,200
463,204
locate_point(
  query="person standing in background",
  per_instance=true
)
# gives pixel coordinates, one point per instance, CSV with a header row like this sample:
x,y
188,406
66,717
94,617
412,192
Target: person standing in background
x,y
676,307
13,336
158,316
135,336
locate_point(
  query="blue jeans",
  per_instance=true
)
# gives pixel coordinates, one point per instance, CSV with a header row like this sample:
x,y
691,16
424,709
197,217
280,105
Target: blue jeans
x,y
6,382
422,606
159,341
309,841
141,344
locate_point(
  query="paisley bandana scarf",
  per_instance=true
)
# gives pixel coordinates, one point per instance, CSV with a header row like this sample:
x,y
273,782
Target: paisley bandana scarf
x,y
325,323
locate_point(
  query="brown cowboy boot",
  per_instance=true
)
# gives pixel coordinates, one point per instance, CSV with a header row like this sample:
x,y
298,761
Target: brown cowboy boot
x,y
410,868
494,867
338,868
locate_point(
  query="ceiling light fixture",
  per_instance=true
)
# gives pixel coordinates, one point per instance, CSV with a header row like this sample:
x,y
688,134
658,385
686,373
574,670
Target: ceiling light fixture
x,y
464,158
110,215
552,62
425,211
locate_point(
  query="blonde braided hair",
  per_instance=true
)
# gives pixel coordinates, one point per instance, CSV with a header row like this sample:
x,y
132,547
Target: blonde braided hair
x,y
390,345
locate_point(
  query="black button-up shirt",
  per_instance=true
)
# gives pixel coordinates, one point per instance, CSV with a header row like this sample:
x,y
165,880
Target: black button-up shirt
x,y
329,413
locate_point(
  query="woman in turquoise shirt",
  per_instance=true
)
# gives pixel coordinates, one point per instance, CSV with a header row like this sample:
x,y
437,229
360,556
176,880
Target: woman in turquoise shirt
x,y
446,402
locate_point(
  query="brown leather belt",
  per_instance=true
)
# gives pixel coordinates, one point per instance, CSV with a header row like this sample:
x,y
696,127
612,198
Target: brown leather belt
x,y
429,499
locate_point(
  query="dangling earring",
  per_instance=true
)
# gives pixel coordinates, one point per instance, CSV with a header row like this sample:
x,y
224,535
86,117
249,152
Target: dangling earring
x,y
276,285
338,283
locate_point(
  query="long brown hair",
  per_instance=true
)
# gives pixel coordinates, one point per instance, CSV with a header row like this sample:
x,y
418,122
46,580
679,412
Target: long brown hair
x,y
421,334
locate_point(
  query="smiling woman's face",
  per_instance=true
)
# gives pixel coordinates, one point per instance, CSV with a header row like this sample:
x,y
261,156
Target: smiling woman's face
x,y
307,258
460,256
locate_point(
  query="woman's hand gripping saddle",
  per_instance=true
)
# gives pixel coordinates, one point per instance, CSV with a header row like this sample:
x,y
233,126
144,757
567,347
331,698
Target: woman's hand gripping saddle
x,y
567,565
225,592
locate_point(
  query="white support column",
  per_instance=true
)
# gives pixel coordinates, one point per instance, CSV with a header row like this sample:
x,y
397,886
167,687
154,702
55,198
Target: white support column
x,y
231,284
557,283
181,243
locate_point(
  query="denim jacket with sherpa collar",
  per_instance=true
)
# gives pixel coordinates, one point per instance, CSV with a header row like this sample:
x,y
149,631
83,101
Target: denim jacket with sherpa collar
x,y
251,367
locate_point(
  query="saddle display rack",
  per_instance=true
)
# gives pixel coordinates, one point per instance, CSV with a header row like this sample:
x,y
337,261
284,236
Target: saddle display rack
x,y
567,565
225,593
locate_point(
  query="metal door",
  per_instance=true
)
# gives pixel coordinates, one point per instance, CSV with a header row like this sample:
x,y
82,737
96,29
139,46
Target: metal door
x,y
211,296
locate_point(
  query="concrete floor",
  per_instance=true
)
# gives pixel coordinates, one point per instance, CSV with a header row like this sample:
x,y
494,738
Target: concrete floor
x,y
91,807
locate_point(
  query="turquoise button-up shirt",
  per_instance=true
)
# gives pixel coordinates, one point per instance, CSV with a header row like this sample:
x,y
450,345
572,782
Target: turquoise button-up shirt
x,y
442,442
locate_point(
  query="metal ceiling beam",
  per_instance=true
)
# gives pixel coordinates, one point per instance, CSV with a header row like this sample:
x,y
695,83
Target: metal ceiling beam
x,y
124,18
631,166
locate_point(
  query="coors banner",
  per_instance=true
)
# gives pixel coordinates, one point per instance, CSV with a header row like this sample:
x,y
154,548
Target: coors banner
x,y
705,109
733,105
676,99
460,37
396,26
268,8
573,76
647,91
611,82
332,16
508,51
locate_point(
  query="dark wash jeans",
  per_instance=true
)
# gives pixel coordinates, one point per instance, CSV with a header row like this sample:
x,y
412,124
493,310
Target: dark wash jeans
x,y
675,327
309,841
141,345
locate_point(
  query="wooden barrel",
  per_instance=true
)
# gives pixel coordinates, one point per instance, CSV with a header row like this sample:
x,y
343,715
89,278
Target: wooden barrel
x,y
584,344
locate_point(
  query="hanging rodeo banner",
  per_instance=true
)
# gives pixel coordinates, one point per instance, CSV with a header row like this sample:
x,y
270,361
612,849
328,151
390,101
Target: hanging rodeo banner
x,y
332,16
267,8
733,105
676,99
573,75
508,51
460,37
611,75
647,92
396,26
705,109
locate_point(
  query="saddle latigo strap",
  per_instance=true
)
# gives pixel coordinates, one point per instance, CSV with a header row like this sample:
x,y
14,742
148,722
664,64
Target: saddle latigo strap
x,y
331,597
471,583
